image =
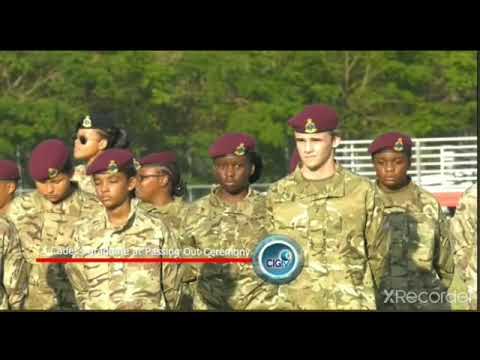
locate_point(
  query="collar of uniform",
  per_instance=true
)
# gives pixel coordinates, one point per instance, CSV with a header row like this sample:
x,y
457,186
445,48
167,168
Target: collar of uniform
x,y
80,171
217,202
332,187
165,209
175,204
410,187
148,207
60,207
131,217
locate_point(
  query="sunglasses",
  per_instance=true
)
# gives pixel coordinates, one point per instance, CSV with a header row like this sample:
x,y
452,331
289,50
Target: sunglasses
x,y
83,139
143,177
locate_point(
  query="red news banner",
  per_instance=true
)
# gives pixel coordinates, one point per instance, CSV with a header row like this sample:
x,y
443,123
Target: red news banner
x,y
147,260
64,255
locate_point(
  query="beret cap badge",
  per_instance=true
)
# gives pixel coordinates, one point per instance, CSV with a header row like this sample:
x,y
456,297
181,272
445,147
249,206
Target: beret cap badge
x,y
240,150
87,122
112,167
398,145
52,173
310,127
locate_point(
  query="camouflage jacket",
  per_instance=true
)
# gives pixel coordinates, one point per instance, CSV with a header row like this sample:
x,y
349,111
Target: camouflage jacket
x,y
339,224
420,257
210,224
12,268
463,230
45,230
171,213
124,286
84,181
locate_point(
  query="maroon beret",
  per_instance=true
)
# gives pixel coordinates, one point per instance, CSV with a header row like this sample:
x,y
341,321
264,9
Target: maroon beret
x,y
237,144
391,141
294,160
112,161
314,119
162,158
9,170
48,159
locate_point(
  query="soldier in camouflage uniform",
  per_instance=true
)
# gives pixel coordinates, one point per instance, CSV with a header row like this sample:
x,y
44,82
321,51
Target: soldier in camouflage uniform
x,y
12,268
160,189
12,265
93,135
9,176
231,219
122,230
420,261
45,219
463,230
334,215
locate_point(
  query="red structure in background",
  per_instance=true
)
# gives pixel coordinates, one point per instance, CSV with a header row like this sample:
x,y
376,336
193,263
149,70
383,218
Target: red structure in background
x,y
448,199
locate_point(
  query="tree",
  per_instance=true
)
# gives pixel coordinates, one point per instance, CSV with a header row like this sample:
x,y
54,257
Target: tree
x,y
183,100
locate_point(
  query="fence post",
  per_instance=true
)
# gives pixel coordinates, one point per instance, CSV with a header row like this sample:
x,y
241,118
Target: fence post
x,y
442,162
418,165
352,160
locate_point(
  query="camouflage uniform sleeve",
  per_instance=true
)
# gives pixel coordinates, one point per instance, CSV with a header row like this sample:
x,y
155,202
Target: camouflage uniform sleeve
x,y
185,237
17,208
3,294
376,236
170,273
190,272
15,274
268,221
75,272
3,300
198,302
463,232
443,259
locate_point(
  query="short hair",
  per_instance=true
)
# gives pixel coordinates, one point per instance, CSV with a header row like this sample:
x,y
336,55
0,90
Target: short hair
x,y
130,171
68,167
255,159
173,172
117,138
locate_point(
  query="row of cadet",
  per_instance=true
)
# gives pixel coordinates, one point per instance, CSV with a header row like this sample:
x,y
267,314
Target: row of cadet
x,y
367,246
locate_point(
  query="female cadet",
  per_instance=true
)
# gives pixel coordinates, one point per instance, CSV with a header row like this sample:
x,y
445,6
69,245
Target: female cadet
x,y
45,219
229,220
93,135
419,267
160,187
122,230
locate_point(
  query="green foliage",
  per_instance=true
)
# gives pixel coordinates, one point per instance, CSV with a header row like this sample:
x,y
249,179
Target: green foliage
x,y
183,100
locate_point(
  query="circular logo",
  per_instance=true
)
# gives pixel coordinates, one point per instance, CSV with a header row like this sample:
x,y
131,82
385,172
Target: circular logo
x,y
278,259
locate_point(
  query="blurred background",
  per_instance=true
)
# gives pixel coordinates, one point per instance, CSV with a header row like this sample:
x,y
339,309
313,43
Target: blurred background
x,y
183,100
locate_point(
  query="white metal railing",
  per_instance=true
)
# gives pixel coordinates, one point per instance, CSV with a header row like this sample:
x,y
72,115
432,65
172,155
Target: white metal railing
x,y
439,164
